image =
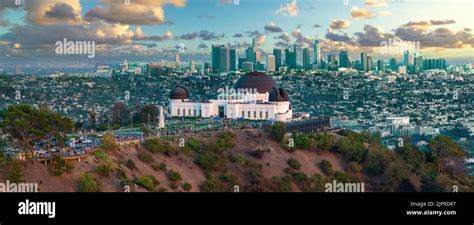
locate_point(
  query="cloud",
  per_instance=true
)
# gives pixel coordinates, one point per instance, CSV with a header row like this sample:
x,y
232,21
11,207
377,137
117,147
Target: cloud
x,y
238,35
205,35
139,12
48,12
62,11
372,36
384,13
316,26
339,24
440,37
301,39
428,23
375,3
158,38
336,37
289,9
202,45
205,17
257,36
273,28
285,37
361,13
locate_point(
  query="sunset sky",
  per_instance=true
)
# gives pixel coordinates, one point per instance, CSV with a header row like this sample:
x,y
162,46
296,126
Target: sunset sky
x,y
151,30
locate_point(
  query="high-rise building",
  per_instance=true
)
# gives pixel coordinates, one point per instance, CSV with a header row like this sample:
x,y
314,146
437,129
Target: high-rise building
x,y
290,57
225,60
370,63
278,58
393,64
258,56
343,59
406,58
177,60
363,62
429,64
380,65
271,63
192,66
241,62
317,53
306,59
216,58
418,63
18,70
232,60
247,66
221,58
331,59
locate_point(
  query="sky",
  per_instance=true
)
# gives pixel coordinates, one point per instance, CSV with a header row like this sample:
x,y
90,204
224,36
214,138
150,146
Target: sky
x,y
152,30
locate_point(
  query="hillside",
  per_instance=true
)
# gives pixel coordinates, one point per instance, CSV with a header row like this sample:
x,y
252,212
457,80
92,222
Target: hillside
x,y
251,159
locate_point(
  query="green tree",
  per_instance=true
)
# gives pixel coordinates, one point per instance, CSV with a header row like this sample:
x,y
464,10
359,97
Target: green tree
x,y
294,164
326,167
449,156
88,184
109,142
15,174
277,131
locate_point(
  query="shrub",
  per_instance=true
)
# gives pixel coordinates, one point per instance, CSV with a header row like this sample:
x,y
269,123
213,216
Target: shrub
x,y
109,142
148,182
294,164
193,144
187,186
123,177
238,159
277,131
173,175
210,161
131,164
60,166
104,169
302,141
154,145
145,157
15,174
354,168
162,189
326,167
101,155
88,184
173,185
159,166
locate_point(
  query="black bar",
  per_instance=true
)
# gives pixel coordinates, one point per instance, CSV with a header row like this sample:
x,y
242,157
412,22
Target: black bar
x,y
237,208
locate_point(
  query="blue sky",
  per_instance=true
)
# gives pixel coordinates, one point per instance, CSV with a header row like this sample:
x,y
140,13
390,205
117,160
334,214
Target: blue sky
x,y
444,27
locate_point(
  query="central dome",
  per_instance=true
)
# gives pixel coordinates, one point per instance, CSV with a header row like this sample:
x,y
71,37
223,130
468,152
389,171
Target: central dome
x,y
255,80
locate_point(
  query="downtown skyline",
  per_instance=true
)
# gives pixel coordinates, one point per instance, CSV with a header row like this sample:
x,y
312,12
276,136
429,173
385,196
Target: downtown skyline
x,y
140,32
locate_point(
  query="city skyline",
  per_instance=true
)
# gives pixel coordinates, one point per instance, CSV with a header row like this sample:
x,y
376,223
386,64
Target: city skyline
x,y
28,32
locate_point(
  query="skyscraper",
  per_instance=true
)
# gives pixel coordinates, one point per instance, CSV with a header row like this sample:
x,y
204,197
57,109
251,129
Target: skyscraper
x,y
380,65
18,70
278,59
418,63
406,58
393,64
271,63
177,60
343,59
216,58
224,60
221,58
363,62
370,63
306,59
290,57
232,60
317,53
331,59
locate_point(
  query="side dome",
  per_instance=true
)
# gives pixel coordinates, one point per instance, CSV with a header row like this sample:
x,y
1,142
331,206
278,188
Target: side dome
x,y
179,92
255,80
278,95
